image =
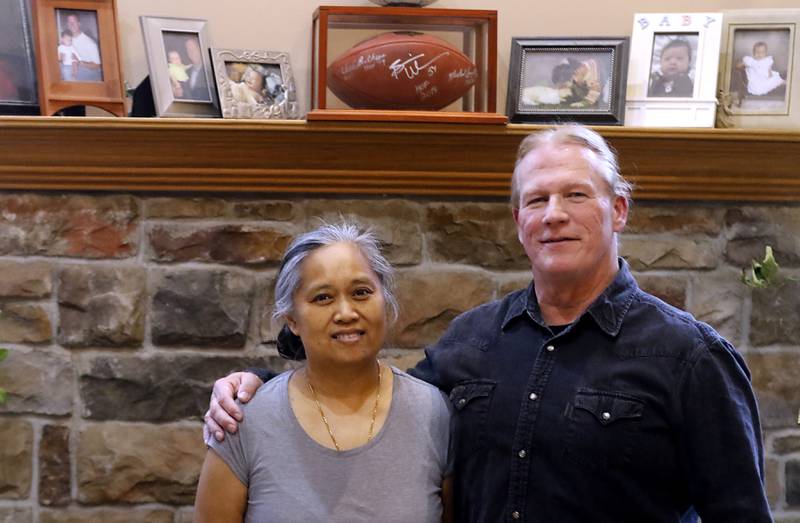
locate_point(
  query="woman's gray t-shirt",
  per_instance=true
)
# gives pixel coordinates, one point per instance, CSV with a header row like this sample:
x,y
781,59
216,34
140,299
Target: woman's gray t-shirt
x,y
396,477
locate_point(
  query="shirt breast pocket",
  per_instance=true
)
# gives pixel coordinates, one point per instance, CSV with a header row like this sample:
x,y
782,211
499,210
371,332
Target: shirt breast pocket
x,y
471,401
602,428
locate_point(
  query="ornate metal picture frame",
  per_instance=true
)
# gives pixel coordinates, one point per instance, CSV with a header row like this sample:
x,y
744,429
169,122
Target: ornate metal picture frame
x,y
567,79
255,84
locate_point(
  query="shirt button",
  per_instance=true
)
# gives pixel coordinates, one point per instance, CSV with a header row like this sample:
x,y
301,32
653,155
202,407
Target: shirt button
x,y
522,453
550,348
533,396
515,515
606,416
462,402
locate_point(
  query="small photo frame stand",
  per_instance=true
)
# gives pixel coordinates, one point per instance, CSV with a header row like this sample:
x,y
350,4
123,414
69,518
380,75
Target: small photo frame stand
x,y
672,77
78,57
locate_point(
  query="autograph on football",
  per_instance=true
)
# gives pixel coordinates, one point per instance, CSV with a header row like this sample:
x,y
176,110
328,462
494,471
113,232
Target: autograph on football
x,y
412,68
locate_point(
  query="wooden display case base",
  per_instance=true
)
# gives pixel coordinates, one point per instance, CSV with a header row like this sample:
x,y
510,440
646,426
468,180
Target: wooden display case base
x,y
374,115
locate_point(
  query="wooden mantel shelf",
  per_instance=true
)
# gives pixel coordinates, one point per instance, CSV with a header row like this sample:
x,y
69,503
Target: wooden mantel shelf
x,y
435,160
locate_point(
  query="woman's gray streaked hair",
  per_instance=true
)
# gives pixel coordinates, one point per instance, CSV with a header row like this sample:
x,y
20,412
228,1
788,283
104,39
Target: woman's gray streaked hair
x,y
289,274
574,134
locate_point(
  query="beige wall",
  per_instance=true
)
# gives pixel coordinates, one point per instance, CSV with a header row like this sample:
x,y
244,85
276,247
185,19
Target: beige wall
x,y
286,25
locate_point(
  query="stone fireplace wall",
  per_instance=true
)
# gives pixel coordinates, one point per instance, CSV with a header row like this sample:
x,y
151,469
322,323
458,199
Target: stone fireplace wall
x,y
120,311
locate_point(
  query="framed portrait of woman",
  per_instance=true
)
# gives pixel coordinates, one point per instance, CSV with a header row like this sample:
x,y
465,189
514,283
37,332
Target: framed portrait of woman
x,y
255,84
672,76
78,55
17,60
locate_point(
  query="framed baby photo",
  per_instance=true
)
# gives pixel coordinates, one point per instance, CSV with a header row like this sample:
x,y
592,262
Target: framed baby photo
x,y
567,80
672,76
180,67
254,84
17,60
758,67
78,55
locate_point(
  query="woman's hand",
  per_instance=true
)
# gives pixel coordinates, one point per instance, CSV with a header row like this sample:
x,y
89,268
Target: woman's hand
x,y
222,409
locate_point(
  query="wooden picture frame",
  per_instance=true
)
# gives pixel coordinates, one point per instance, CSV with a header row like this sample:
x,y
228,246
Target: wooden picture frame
x,y
181,73
568,79
255,84
672,76
65,30
18,91
771,100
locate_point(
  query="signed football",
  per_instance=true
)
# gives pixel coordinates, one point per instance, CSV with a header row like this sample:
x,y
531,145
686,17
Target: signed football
x,y
401,70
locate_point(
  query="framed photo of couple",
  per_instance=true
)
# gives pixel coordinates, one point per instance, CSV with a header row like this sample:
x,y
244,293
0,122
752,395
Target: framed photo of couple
x,y
759,63
672,77
78,55
180,67
567,79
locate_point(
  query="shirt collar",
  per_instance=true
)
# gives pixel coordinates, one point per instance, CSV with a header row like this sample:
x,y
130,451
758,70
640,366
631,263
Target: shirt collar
x,y
608,310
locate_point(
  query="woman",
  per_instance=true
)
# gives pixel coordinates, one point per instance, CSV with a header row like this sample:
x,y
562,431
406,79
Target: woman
x,y
343,438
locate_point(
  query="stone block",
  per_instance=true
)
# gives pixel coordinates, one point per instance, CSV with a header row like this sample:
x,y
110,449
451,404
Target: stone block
x,y
430,297
403,359
773,482
649,218
159,388
25,279
102,306
678,253
185,515
718,299
107,515
482,234
24,324
786,444
395,222
271,210
16,515
54,466
512,282
201,308
242,244
78,226
775,316
37,381
16,458
671,289
750,229
139,463
184,208
793,483
774,377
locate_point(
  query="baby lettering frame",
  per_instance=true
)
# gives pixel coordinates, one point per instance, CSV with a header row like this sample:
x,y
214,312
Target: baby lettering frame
x,y
663,95
778,108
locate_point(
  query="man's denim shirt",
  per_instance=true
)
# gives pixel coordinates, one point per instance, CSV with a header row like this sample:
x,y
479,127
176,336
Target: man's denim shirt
x,y
634,412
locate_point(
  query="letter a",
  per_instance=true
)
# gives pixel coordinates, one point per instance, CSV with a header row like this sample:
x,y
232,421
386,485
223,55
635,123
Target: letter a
x,y
664,22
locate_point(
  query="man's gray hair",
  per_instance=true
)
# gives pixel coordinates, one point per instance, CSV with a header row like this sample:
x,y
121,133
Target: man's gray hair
x,y
574,134
289,274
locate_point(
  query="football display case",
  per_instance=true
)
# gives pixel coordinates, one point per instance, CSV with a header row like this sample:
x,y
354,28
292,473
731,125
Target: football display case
x,y
337,30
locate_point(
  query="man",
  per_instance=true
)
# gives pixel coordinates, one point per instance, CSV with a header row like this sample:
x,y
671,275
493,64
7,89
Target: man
x,y
196,86
583,398
89,68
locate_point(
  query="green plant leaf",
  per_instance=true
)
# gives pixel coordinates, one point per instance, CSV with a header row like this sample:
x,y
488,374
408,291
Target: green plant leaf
x,y
2,396
3,354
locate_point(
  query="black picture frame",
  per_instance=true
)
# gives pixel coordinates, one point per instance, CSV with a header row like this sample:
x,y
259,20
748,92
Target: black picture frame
x,y
568,79
18,61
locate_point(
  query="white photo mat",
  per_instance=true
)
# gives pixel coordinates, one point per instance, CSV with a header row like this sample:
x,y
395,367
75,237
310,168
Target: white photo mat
x,y
704,31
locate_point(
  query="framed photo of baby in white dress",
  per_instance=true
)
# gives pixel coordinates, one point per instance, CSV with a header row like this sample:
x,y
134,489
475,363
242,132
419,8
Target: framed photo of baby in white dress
x,y
672,76
568,79
255,84
758,64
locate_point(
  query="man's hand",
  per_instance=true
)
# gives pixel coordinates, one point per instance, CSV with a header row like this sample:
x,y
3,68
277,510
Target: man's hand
x,y
223,410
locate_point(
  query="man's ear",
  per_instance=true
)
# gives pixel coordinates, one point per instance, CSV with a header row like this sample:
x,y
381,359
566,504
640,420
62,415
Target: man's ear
x,y
620,213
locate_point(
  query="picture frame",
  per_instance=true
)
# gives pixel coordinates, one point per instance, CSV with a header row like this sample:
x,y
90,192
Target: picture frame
x,y
181,73
18,90
758,91
672,76
255,84
567,79
78,56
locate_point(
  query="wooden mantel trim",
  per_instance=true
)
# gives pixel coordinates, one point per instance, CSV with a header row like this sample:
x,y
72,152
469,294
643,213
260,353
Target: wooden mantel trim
x,y
403,159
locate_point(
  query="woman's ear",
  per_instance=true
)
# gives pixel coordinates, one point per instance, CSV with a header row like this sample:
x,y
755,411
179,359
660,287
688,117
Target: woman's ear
x,y
292,324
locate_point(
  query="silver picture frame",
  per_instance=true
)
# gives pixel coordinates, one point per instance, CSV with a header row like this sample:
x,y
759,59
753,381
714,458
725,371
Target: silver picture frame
x,y
255,84
18,82
183,87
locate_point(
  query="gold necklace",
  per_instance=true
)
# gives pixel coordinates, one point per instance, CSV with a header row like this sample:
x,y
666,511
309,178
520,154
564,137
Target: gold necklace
x,y
325,420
